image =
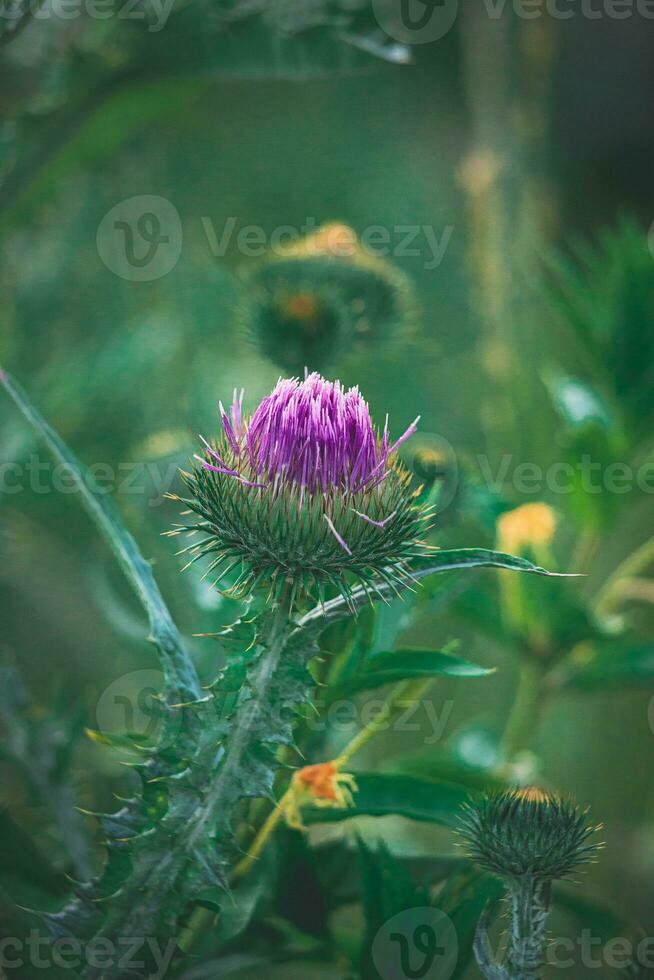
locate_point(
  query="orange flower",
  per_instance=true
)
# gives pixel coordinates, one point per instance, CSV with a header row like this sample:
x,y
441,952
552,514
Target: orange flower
x,y
319,779
322,785
301,306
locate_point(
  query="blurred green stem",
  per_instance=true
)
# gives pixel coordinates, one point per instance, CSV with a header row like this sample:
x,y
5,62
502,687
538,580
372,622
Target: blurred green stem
x,y
525,712
402,695
609,593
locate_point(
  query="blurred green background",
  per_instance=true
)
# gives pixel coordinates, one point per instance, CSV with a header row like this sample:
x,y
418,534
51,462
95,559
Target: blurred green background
x,y
525,147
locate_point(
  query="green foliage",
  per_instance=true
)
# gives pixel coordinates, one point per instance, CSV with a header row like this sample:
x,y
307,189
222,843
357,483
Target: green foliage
x,y
202,113
604,296
387,889
40,747
380,794
174,840
605,664
168,845
392,666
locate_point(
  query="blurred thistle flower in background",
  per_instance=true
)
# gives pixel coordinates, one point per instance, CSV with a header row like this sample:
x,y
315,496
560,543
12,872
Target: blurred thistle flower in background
x,y
305,492
320,294
527,834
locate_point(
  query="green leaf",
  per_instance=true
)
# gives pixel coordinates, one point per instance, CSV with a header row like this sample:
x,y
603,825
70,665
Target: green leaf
x,y
381,794
598,666
470,759
181,680
391,666
387,889
445,561
467,892
440,561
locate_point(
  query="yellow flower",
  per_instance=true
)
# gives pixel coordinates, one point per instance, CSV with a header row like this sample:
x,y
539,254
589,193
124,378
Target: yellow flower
x,y
528,526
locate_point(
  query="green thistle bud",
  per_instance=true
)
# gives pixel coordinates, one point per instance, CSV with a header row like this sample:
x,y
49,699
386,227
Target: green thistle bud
x,y
322,293
306,491
527,834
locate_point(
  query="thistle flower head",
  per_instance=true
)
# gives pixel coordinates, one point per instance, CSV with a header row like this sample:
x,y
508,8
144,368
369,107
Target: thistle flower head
x,y
305,490
521,833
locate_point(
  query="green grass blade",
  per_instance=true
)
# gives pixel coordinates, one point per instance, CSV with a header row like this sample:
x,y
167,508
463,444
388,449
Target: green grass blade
x,y
181,680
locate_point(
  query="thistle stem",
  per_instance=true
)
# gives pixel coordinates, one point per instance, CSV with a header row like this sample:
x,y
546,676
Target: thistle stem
x,y
263,836
275,642
529,911
609,593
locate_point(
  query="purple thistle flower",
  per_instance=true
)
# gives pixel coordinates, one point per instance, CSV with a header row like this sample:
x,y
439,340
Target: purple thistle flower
x,y
306,489
313,434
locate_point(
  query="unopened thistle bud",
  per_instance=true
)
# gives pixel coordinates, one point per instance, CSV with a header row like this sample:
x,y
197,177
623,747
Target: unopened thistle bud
x,y
320,293
305,491
530,838
527,833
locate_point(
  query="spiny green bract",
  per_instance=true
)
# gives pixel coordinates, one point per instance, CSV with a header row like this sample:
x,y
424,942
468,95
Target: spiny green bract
x,y
527,833
277,534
